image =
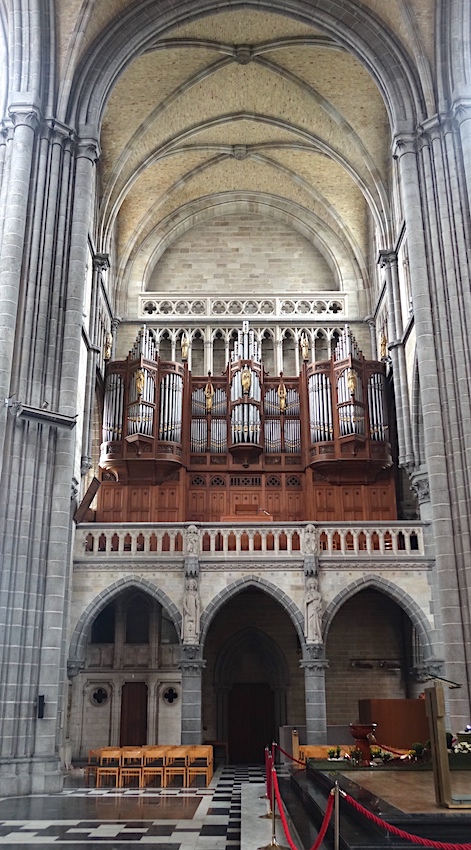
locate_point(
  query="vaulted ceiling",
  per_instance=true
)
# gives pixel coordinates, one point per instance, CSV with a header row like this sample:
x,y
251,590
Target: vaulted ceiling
x,y
248,108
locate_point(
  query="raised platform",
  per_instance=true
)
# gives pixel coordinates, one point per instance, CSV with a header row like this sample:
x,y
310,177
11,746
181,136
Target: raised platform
x,y
405,799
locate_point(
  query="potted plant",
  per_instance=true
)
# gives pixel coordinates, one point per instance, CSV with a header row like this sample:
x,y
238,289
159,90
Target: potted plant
x,y
417,750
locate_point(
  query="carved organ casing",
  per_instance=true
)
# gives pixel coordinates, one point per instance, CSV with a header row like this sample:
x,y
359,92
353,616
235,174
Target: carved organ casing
x,y
178,447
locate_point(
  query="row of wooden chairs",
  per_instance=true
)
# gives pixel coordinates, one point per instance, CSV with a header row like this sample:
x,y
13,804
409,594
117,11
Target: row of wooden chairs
x,y
144,765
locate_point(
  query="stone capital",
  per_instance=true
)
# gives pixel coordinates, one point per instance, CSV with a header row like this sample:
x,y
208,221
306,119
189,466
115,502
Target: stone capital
x,y
403,143
22,115
59,132
101,262
427,670
88,149
387,257
313,658
74,667
419,482
461,110
191,659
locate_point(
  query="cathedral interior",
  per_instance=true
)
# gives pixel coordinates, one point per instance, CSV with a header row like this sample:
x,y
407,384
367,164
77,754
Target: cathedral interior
x,y
236,430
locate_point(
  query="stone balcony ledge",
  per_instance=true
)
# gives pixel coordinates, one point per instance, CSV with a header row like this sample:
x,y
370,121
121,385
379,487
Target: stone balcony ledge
x,y
210,542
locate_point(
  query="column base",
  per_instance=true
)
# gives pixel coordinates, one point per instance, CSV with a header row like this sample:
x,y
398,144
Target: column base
x,y
19,777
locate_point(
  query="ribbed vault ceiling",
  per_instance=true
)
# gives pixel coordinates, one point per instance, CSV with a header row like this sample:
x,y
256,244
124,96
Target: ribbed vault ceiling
x,y
238,105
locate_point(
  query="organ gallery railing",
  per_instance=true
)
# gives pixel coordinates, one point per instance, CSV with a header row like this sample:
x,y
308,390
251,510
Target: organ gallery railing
x,y
394,541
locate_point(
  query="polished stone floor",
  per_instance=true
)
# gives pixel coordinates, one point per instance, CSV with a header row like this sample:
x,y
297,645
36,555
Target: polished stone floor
x,y
169,818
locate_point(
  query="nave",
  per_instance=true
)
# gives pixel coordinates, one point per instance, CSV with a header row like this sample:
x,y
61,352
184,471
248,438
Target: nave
x,y
169,818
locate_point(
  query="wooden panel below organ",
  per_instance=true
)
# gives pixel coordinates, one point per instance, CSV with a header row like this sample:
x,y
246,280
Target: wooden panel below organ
x,y
206,497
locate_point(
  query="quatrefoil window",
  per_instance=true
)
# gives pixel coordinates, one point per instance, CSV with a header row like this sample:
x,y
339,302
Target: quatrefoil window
x,y
170,696
99,696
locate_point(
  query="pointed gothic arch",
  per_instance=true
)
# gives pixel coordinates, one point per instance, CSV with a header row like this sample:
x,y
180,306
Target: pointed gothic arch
x,y
78,642
396,593
239,585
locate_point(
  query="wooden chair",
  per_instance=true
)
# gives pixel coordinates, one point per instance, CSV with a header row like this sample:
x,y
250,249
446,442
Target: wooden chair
x,y
200,763
175,764
110,765
131,765
92,765
154,765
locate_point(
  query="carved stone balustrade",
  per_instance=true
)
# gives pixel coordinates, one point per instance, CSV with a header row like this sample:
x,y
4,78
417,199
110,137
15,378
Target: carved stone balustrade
x,y
392,543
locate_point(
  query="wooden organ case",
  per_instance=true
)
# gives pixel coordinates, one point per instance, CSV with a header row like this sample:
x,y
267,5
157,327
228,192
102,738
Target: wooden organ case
x,y
245,445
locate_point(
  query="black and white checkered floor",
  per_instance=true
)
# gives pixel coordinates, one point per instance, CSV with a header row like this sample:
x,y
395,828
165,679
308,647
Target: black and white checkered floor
x,y
169,818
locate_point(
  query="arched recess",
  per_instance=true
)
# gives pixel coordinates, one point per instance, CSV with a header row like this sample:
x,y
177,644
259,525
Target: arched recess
x,y
397,594
354,27
262,584
133,276
271,658
78,642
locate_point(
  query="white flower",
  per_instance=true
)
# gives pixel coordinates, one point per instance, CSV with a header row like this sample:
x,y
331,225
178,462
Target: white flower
x,y
462,747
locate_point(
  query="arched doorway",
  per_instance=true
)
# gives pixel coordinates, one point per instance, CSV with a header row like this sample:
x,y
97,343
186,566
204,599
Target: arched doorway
x,y
252,683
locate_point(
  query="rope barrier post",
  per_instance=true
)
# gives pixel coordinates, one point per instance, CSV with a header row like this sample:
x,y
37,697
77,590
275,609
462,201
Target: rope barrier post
x,y
336,816
295,744
266,795
273,841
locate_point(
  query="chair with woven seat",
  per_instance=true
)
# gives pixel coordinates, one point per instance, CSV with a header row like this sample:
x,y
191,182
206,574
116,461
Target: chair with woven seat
x,y
110,765
131,765
175,764
153,765
200,763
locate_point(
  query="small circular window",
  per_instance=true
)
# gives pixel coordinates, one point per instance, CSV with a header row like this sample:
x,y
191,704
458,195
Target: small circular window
x,y
99,696
170,696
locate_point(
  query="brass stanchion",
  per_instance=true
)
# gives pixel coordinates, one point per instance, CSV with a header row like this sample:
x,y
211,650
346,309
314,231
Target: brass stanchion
x,y
273,841
270,763
336,816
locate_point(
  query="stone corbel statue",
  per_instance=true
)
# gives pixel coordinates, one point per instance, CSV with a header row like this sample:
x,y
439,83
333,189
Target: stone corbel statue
x,y
191,613
312,615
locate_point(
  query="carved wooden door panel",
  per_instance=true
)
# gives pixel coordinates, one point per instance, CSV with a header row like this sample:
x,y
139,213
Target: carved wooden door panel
x,y
133,730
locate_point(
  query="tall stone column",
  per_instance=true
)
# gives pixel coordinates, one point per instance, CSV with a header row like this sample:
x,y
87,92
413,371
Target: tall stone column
x,y
16,187
314,664
462,117
42,297
388,261
192,665
440,297
100,263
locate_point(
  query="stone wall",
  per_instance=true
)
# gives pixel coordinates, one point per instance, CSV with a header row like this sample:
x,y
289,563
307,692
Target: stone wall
x,y
242,254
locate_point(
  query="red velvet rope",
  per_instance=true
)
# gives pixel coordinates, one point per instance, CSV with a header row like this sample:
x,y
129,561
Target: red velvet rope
x,y
325,822
415,839
288,755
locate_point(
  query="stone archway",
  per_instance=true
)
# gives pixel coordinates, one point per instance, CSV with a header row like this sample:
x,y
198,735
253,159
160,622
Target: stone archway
x,y
250,712
372,647
252,683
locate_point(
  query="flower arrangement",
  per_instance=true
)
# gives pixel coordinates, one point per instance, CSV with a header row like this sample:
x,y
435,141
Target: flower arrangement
x,y
334,752
462,747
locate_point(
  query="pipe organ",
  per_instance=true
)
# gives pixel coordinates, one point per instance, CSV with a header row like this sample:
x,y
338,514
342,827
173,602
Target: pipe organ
x,y
347,414
315,432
